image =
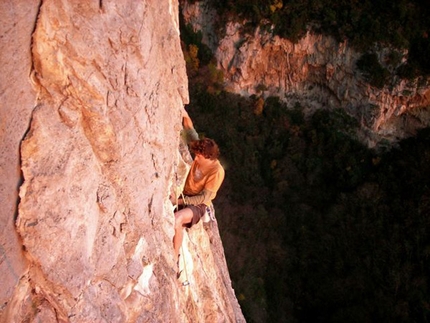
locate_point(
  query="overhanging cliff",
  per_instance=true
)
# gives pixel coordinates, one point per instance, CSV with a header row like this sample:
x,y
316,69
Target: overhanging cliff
x,y
92,98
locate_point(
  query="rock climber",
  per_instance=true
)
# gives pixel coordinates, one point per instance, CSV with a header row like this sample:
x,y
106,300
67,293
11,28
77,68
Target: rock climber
x,y
203,181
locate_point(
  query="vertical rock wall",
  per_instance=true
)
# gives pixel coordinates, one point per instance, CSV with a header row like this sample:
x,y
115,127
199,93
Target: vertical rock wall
x,y
16,103
98,162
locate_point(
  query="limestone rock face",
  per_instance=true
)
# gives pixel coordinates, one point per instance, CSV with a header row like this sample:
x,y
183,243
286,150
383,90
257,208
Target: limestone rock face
x,y
16,103
316,71
101,90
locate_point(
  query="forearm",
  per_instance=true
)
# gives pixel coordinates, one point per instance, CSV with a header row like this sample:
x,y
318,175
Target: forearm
x,y
187,122
204,198
190,134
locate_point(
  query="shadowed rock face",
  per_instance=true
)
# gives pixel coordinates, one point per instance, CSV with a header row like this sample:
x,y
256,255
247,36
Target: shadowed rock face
x,y
92,97
317,72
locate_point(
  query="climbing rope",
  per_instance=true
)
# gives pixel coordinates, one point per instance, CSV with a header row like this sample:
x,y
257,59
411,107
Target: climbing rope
x,y
179,193
186,282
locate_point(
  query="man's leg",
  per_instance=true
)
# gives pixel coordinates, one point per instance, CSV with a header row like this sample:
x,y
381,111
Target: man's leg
x,y
182,217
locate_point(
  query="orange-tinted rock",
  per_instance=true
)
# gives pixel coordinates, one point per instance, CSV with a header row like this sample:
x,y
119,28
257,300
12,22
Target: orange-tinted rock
x,y
99,160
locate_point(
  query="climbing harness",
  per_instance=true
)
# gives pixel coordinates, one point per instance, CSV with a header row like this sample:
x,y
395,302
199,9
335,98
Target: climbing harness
x,y
209,214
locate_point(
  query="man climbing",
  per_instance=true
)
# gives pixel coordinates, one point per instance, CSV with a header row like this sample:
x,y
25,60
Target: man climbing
x,y
203,181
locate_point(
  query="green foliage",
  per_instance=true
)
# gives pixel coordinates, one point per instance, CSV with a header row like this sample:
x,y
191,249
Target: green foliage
x,y
216,75
326,230
372,70
190,37
420,49
208,102
401,24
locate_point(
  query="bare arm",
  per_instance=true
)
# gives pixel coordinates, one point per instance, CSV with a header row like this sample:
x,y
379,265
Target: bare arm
x,y
190,133
205,197
186,121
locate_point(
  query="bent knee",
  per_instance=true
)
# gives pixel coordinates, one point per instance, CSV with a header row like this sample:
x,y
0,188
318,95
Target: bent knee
x,y
182,217
178,222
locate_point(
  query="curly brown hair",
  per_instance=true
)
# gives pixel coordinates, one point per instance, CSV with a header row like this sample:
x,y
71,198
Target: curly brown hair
x,y
206,147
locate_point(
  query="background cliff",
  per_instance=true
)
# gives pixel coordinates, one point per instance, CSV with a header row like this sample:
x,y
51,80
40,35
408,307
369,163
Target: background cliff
x,y
314,68
91,101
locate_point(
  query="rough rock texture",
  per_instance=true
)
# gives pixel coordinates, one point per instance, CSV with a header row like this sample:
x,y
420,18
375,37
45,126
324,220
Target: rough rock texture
x,y
16,103
98,162
317,71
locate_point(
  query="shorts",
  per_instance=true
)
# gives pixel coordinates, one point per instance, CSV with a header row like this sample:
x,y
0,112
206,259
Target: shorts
x,y
198,212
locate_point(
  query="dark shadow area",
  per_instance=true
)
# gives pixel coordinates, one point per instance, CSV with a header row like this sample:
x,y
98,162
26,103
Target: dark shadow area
x,y
316,227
